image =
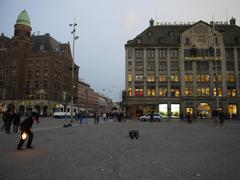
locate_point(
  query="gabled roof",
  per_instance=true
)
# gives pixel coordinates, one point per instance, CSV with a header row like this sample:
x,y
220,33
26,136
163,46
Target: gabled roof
x,y
45,43
169,35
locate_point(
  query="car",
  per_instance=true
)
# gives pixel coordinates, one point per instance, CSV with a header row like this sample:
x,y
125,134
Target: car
x,y
156,117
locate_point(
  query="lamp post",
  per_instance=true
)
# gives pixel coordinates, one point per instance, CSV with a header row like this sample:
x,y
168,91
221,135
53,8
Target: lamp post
x,y
215,63
75,37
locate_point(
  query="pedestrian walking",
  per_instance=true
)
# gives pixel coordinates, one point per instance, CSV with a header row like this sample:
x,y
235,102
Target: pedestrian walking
x,y
181,117
26,131
221,119
215,117
16,121
169,116
8,121
189,120
151,117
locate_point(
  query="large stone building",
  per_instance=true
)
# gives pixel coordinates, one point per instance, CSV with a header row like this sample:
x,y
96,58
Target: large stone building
x,y
35,70
184,68
87,99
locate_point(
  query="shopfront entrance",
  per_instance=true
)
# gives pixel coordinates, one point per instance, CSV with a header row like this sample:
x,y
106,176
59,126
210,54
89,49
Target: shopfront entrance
x,y
204,110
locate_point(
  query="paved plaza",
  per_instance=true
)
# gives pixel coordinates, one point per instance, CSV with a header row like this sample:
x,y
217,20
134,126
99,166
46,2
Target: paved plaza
x,y
164,151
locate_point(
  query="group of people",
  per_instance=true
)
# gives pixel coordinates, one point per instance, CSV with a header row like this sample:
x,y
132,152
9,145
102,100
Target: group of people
x,y
218,118
188,118
9,117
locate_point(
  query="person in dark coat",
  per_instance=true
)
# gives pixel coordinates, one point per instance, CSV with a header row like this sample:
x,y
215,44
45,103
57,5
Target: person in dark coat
x,y
16,122
221,118
8,120
25,127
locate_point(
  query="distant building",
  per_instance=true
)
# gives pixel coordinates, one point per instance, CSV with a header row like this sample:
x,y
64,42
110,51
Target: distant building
x,y
35,70
183,68
87,99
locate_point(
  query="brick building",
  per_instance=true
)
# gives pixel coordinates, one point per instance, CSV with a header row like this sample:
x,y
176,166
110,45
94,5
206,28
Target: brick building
x,y
35,70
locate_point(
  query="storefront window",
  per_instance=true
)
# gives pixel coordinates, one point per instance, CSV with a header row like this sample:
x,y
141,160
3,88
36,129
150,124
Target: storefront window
x,y
189,110
129,91
175,110
232,110
163,109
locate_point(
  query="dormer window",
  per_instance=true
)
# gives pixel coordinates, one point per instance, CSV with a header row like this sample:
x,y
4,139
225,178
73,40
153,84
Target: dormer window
x,y
41,47
139,40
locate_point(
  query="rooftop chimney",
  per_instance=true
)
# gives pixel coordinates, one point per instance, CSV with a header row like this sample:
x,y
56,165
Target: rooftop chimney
x,y
232,21
151,22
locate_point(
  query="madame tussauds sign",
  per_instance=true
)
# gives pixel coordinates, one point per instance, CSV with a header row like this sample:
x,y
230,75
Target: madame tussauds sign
x,y
203,58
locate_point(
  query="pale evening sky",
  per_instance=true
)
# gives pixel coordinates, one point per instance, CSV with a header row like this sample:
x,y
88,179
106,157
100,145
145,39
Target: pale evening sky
x,y
104,26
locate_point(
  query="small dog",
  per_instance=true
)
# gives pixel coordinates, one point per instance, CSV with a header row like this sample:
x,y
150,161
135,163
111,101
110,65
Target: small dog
x,y
134,134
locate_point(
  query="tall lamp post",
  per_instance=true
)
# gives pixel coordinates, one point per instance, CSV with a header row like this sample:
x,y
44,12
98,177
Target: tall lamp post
x,y
216,65
75,37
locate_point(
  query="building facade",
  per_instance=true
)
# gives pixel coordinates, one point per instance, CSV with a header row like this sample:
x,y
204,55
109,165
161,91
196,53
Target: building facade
x,y
87,99
188,68
35,70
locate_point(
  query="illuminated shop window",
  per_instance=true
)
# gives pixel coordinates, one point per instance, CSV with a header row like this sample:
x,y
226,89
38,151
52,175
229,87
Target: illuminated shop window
x,y
232,110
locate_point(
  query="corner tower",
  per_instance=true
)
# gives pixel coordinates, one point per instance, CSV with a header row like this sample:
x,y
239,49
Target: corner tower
x,y
23,26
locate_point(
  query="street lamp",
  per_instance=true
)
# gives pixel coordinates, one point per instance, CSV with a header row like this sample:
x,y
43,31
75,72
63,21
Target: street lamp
x,y
74,38
215,63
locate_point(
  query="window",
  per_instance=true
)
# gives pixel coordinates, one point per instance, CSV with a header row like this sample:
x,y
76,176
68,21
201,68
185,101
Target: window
x,y
188,91
36,84
162,66
216,41
151,66
229,53
151,78
188,65
139,53
129,66
129,91
231,91
45,84
162,78
202,77
138,78
203,91
217,78
14,63
175,92
150,53
162,53
37,73
174,53
230,66
238,53
231,78
151,91
130,54
187,41
174,66
175,78
188,77
202,65
219,92
162,91
138,91
129,77
139,66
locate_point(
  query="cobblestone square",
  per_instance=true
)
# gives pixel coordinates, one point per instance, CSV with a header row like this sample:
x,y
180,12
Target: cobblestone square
x,y
165,150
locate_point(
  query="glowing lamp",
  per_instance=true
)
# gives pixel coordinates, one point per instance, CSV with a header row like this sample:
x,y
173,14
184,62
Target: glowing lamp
x,y
24,135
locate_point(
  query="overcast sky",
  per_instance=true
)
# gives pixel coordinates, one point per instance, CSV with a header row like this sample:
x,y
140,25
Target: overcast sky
x,y
104,26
